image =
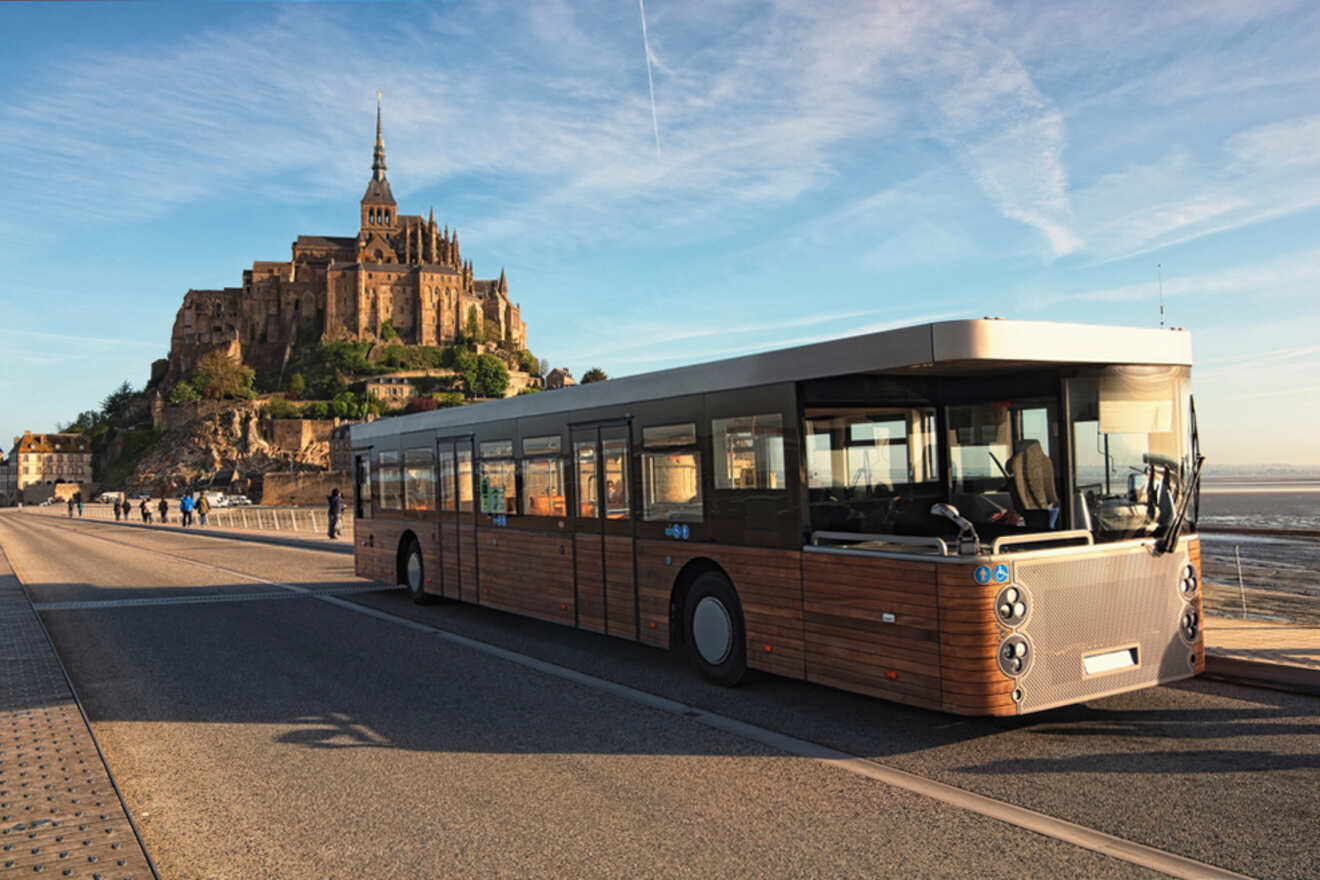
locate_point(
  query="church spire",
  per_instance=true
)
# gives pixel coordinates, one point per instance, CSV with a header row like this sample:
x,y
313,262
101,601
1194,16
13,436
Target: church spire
x,y
378,158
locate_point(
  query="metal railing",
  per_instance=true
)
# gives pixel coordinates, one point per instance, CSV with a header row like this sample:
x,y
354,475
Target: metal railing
x,y
303,520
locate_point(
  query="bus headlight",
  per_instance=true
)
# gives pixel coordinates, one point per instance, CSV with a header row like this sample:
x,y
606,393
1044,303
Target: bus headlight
x,y
1190,582
1012,605
1014,656
1190,624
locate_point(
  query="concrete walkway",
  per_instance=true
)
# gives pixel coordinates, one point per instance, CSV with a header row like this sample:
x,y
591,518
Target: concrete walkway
x,y
60,812
1263,653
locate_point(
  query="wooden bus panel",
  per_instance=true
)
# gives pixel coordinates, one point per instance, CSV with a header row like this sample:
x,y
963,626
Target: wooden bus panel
x,y
658,564
769,586
620,596
590,582
969,638
527,572
468,554
848,644
449,551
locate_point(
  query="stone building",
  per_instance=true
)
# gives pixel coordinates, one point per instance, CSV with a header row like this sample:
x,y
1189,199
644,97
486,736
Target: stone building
x,y
400,271
559,377
43,460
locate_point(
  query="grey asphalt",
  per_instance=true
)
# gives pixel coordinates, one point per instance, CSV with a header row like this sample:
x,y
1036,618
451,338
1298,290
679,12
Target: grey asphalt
x,y
293,738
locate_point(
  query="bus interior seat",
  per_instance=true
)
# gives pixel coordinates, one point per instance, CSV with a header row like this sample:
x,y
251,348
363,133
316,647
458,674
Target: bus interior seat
x,y
1031,484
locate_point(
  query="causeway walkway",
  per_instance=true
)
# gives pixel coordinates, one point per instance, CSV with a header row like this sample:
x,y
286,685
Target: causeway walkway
x,y
60,812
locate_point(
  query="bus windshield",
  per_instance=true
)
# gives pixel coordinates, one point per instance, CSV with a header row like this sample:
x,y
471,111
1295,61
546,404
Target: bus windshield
x,y
1130,446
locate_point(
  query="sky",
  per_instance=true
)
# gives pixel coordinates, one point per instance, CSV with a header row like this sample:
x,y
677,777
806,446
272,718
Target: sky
x,y
685,181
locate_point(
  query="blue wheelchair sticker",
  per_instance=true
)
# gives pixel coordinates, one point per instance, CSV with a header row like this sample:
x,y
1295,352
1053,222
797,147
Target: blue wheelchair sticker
x,y
981,575
1001,573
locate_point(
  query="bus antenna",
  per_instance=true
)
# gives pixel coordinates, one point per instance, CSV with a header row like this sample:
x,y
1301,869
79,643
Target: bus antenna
x,y
1159,270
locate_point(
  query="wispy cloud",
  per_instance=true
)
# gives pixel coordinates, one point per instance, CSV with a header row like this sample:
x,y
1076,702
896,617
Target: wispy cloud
x,y
1294,273
71,338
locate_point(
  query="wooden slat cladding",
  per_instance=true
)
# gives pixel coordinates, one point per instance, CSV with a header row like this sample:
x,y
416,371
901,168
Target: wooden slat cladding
x,y
507,557
769,586
658,564
590,583
467,562
378,543
969,638
848,644
620,596
449,551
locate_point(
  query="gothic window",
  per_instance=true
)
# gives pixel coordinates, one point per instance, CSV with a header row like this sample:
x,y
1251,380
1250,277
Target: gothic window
x,y
387,218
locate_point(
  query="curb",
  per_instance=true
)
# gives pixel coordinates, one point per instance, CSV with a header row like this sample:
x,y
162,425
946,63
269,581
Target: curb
x,y
1255,673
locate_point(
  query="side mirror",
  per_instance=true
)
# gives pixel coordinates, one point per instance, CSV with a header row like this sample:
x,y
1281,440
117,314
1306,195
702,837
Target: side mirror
x,y
949,512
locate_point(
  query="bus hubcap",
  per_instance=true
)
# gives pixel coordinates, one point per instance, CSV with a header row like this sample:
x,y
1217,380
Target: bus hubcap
x,y
712,630
414,572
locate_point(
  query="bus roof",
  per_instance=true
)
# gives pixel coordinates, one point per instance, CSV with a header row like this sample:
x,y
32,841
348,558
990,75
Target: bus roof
x,y
966,346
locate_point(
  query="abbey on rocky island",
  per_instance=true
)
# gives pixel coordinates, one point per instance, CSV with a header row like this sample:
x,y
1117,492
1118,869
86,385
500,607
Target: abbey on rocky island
x,y
400,275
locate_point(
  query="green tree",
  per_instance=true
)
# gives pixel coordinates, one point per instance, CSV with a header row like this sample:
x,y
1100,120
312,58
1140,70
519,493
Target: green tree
x,y
182,392
473,325
465,365
116,405
595,374
492,378
218,375
296,386
387,331
279,408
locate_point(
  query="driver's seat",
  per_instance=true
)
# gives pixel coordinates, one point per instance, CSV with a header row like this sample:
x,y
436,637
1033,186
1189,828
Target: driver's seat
x,y
1031,484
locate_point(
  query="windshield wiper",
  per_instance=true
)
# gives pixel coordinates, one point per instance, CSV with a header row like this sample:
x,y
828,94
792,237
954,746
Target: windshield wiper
x,y
1170,539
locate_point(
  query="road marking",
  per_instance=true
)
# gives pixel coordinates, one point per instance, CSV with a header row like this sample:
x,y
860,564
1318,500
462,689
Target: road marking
x,y
1048,826
202,600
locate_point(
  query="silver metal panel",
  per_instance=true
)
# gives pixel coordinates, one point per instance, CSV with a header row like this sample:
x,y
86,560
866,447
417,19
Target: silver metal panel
x,y
922,345
1059,343
1104,600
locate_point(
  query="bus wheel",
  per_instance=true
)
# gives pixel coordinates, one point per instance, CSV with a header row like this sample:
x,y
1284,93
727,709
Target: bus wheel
x,y
414,574
717,642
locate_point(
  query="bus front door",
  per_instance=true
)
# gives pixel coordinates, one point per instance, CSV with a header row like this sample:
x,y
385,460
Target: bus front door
x,y
603,530
458,519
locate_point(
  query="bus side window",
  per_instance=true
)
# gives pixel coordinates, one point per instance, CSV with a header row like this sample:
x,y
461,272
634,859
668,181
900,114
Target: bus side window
x,y
362,487
584,459
671,474
749,452
543,477
418,479
615,454
497,478
445,479
387,477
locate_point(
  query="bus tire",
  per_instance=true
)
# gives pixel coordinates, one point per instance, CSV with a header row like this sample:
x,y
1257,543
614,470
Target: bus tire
x,y
413,573
716,636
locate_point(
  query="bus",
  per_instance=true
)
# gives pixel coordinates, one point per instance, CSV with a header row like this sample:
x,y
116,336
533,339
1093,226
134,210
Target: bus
x,y
980,517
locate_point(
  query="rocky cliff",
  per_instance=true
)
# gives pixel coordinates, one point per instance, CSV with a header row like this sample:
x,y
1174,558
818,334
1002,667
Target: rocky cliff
x,y
224,440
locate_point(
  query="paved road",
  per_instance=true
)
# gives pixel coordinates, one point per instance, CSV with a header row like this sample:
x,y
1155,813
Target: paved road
x,y
262,731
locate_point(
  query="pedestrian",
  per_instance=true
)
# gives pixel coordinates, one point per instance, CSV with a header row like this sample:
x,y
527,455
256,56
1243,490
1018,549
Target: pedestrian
x,y
186,509
203,508
164,508
146,512
70,503
77,497
128,508
115,505
335,512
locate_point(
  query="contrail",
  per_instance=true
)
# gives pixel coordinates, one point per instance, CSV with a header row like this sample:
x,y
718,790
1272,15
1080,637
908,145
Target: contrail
x,y
649,81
